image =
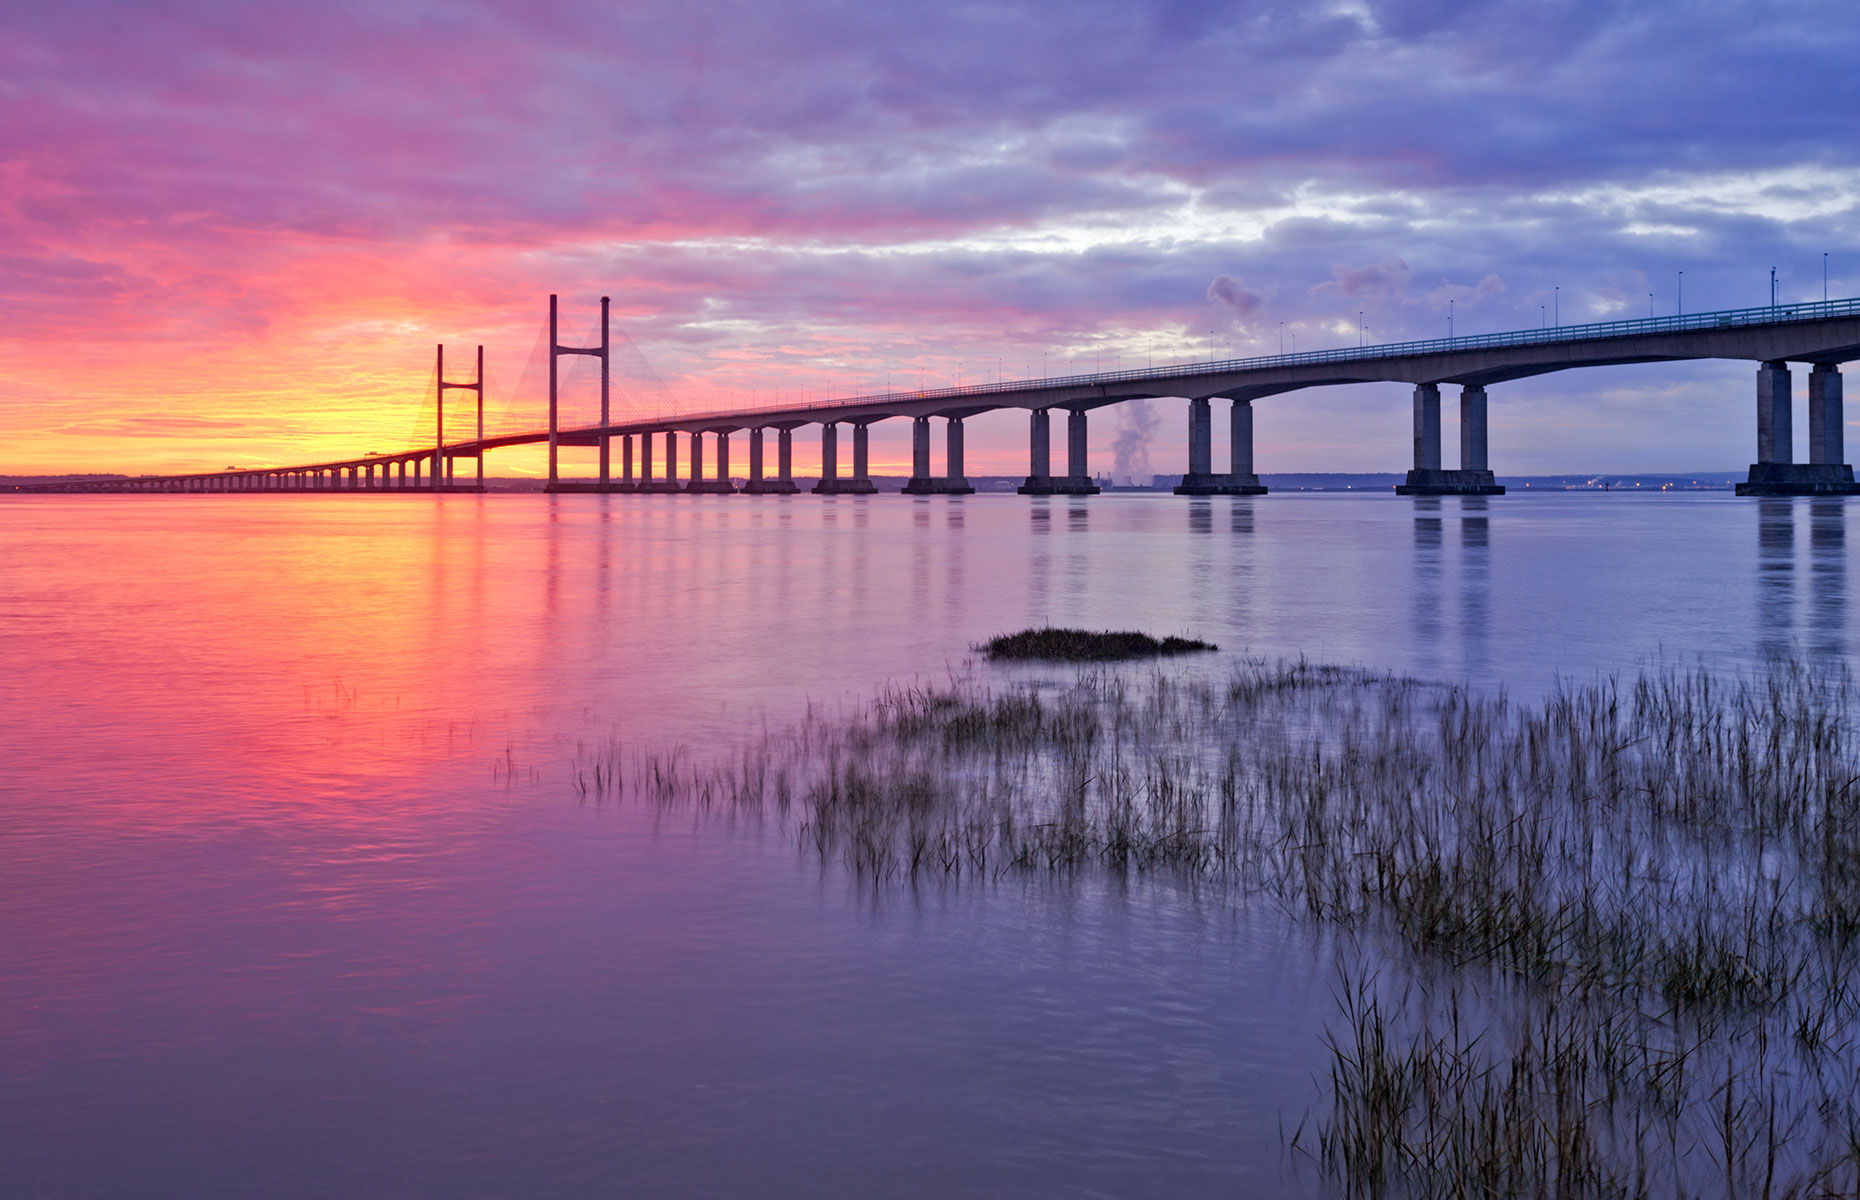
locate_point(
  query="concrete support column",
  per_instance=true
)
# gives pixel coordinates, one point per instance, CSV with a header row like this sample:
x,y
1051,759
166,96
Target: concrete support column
x,y
1776,473
626,458
784,454
1427,427
645,457
831,484
920,447
1240,439
1472,427
1826,441
451,467
1471,478
952,482
1775,435
1040,481
755,455
671,456
720,485
1200,438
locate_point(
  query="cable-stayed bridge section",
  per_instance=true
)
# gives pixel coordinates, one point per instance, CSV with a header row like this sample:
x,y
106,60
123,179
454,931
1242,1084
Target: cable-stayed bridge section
x,y
1820,336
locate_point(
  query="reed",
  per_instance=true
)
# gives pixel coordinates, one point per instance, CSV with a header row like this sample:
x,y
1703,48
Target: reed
x,y
1598,945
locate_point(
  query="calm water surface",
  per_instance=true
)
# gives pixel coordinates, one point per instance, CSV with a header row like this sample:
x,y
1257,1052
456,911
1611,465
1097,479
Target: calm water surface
x,y
297,899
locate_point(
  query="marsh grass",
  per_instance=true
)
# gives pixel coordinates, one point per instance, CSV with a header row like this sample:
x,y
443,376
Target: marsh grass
x,y
1602,945
1084,646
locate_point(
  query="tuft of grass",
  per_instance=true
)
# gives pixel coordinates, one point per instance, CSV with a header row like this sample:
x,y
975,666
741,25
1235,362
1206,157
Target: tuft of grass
x,y
1083,645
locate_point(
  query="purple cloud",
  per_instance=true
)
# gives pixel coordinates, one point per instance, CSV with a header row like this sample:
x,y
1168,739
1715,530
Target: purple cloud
x,y
1232,291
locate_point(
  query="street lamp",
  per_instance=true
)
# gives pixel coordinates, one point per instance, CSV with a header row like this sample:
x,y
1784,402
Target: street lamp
x,y
1556,305
1682,293
1359,329
1772,287
1824,276
1449,320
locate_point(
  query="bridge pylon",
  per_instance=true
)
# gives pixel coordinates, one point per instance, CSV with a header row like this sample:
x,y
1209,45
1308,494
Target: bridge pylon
x,y
442,462
602,352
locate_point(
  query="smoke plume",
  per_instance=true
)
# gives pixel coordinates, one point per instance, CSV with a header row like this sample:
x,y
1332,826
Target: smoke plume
x,y
1136,424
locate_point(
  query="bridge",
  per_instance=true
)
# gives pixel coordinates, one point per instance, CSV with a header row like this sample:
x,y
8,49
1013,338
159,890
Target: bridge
x,y
1821,336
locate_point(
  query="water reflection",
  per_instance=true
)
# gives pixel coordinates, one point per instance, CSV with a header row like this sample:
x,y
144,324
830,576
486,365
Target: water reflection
x,y
1775,576
1428,537
1200,516
1827,575
1475,583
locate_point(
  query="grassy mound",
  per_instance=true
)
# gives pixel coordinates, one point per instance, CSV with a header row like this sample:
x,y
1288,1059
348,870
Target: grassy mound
x,y
1081,645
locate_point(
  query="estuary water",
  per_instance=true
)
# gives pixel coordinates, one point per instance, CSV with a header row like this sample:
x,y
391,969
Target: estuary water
x,y
297,897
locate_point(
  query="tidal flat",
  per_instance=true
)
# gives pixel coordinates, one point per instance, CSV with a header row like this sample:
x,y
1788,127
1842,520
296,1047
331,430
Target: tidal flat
x,y
1597,944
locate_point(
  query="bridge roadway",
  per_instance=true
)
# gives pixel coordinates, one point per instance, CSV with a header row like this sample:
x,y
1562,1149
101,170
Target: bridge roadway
x,y
1822,335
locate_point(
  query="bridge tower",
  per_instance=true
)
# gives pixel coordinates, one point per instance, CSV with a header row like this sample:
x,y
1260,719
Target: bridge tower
x,y
600,439
442,462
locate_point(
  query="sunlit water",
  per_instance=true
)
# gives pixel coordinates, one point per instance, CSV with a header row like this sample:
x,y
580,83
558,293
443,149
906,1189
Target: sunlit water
x,y
297,898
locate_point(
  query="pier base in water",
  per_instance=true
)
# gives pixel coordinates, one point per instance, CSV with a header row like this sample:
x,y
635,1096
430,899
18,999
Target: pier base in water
x,y
1799,479
1449,483
1199,484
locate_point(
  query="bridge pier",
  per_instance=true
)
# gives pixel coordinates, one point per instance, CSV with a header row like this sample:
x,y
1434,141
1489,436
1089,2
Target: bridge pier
x,y
1428,478
831,483
1078,475
648,481
952,482
721,485
1776,473
783,484
1201,479
829,457
1039,481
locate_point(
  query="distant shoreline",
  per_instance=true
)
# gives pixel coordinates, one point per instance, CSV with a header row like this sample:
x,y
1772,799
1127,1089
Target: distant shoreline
x,y
1291,481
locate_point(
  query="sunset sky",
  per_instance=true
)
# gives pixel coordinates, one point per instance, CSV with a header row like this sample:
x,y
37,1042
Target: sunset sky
x,y
234,232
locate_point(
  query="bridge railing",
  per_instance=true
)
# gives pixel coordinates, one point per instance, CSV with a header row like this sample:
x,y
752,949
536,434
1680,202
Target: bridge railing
x,y
1724,319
